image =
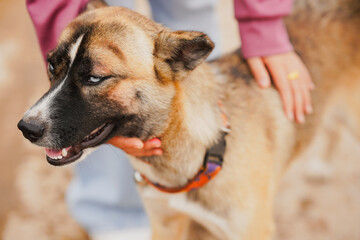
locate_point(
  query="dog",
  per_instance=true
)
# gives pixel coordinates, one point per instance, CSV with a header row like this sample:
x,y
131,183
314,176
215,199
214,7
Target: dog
x,y
117,73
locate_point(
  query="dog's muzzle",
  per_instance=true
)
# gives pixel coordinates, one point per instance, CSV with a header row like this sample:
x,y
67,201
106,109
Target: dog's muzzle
x,y
35,133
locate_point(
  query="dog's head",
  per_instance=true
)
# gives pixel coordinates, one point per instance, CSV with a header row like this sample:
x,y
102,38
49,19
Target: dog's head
x,y
114,72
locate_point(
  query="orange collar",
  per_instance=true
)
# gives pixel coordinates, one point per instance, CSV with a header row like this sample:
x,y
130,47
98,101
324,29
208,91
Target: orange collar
x,y
204,175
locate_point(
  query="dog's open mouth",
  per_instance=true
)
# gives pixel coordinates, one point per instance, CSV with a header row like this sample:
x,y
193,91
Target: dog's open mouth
x,y
70,154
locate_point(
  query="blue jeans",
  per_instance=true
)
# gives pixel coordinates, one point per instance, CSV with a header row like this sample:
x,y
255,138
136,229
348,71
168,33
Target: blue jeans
x,y
102,196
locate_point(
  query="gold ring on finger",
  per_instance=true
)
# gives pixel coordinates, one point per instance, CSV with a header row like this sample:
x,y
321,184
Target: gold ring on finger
x,y
293,75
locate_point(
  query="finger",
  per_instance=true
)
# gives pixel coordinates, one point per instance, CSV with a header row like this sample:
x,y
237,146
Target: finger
x,y
305,74
287,98
152,143
157,151
306,97
301,88
145,153
259,71
299,101
283,85
309,83
125,143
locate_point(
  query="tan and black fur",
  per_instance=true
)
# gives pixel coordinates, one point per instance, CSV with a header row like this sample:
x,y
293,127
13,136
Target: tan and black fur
x,y
156,84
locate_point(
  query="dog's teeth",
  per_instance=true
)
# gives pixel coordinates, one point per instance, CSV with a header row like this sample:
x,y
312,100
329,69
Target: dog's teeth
x,y
64,152
60,157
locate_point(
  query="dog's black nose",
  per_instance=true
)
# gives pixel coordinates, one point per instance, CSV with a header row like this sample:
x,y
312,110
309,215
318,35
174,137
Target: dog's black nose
x,y
31,131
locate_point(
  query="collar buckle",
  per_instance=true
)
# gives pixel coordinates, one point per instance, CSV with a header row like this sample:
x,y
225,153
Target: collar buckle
x,y
213,158
217,151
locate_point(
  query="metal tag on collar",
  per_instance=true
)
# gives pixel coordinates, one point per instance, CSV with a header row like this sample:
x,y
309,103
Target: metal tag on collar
x,y
217,151
138,178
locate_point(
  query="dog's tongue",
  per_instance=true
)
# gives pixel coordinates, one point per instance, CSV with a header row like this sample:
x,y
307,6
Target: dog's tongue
x,y
55,152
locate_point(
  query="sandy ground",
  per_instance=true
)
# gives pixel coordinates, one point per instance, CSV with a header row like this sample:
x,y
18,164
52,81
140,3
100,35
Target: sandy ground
x,y
319,197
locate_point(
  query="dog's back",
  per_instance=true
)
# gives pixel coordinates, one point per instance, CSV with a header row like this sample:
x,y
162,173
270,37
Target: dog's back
x,y
326,36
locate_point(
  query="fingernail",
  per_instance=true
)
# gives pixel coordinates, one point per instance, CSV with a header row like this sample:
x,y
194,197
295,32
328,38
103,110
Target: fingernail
x,y
264,82
139,145
290,116
156,142
312,86
158,152
301,118
309,109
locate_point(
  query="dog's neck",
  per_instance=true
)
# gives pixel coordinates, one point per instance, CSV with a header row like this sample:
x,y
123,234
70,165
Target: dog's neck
x,y
194,125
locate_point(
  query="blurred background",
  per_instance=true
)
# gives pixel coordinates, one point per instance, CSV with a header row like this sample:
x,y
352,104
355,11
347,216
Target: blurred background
x,y
319,197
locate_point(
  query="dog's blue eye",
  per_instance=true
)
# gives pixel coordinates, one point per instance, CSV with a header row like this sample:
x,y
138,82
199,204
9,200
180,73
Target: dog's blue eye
x,y
94,79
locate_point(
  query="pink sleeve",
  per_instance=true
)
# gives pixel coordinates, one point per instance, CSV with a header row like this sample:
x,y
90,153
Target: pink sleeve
x,y
50,17
262,30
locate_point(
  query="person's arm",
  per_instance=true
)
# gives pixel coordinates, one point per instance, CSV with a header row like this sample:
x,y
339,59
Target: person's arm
x,y
51,17
262,30
266,46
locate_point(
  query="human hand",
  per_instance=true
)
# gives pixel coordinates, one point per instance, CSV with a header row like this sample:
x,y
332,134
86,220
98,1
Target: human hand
x,y
294,90
136,147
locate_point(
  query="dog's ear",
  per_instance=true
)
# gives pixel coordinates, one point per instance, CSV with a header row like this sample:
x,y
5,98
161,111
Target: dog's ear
x,y
181,50
94,4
